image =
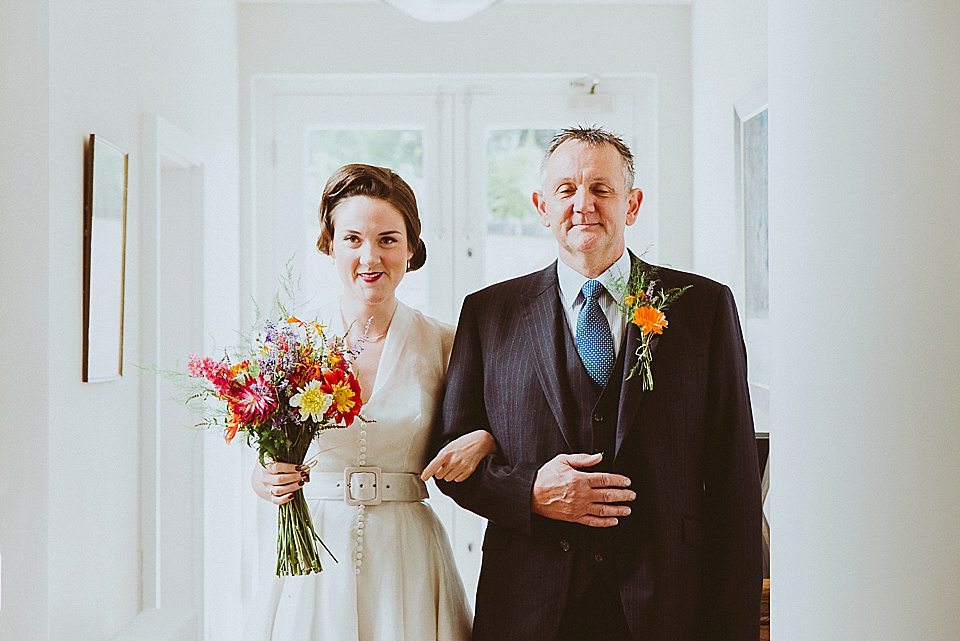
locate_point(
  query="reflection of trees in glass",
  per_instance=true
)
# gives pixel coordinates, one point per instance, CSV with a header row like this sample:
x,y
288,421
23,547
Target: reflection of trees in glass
x,y
329,149
513,172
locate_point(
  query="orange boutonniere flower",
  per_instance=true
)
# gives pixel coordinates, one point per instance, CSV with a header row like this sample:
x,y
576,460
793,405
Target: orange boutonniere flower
x,y
649,319
645,304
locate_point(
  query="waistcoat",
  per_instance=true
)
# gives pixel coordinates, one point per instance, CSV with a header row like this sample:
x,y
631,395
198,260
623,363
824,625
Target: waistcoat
x,y
594,410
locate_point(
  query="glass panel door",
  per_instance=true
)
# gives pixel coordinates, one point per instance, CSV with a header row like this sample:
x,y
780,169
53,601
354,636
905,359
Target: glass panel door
x,y
317,134
514,240
509,129
471,148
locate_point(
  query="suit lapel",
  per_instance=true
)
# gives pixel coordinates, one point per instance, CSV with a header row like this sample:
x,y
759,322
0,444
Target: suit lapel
x,y
631,393
544,319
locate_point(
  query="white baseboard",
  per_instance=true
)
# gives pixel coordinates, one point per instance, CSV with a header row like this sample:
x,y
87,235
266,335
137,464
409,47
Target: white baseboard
x,y
156,625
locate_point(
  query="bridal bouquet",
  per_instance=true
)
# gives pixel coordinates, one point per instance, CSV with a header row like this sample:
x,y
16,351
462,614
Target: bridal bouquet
x,y
290,383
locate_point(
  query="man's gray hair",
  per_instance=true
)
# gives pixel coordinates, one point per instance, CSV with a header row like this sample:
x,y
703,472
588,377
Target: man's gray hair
x,y
595,137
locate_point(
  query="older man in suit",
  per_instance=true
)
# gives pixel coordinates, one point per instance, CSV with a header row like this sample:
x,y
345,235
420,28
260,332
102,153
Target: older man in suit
x,y
614,513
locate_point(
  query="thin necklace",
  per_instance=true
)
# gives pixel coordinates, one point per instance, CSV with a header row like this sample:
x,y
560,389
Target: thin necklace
x,y
366,328
371,339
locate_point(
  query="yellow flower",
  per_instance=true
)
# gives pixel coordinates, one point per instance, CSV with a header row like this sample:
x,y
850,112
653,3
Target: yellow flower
x,y
343,397
312,401
649,319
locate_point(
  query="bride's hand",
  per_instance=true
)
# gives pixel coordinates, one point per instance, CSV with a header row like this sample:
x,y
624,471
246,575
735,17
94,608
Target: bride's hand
x,y
278,482
460,458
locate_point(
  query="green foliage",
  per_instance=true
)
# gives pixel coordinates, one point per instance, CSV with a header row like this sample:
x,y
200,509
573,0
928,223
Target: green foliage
x,y
637,290
513,171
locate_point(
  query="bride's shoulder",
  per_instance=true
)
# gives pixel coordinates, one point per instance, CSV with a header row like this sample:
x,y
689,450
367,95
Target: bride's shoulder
x,y
431,325
431,330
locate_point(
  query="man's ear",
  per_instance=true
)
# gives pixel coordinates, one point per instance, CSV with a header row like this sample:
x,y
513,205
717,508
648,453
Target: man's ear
x,y
540,204
633,205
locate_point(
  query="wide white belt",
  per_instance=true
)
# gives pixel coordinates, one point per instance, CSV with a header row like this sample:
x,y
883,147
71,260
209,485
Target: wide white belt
x,y
364,486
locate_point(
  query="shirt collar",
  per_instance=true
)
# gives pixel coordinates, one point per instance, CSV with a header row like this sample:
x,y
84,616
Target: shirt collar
x,y
571,281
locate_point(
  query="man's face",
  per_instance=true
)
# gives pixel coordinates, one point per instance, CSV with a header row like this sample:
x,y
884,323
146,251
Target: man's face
x,y
586,202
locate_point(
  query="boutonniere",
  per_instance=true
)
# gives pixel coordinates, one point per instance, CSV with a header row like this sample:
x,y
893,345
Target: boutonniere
x,y
645,304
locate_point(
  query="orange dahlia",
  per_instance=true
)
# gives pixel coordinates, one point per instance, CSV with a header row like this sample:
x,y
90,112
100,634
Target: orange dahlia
x,y
649,319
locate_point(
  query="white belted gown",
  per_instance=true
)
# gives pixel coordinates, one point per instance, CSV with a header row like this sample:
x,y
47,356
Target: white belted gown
x,y
396,579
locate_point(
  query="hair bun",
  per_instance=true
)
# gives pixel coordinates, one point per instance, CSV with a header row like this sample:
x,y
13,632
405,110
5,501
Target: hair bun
x,y
419,257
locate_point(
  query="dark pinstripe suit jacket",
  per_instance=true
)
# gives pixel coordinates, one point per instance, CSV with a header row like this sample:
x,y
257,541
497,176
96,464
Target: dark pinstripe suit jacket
x,y
688,558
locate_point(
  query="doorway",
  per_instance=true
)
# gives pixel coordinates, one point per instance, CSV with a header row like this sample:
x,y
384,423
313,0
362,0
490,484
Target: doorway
x,y
470,147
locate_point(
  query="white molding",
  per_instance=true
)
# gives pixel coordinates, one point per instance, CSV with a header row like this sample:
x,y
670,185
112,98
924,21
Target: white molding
x,y
164,146
154,625
751,104
507,2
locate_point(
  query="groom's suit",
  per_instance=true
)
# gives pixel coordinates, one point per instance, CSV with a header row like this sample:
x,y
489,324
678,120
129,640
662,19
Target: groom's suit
x,y
687,561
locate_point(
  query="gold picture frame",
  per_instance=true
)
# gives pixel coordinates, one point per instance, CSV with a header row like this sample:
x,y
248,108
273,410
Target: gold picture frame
x,y
104,258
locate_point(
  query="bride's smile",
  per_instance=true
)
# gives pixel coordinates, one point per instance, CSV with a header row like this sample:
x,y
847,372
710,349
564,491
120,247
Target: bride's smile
x,y
370,248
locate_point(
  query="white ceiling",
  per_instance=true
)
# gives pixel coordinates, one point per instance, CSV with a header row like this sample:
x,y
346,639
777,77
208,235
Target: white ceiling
x,y
609,2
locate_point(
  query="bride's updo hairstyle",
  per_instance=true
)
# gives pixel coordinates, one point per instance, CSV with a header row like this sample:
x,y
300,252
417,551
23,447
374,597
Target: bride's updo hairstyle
x,y
373,182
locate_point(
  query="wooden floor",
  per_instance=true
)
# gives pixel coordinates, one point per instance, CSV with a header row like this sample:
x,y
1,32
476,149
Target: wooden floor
x,y
765,611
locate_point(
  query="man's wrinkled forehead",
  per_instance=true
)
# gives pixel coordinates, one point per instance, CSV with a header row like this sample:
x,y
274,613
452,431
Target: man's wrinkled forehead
x,y
584,162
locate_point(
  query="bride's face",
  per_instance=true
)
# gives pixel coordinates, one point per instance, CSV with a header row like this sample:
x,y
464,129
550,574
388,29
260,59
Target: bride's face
x,y
370,249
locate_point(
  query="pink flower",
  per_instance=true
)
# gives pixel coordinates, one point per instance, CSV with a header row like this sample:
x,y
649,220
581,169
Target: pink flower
x,y
193,366
254,401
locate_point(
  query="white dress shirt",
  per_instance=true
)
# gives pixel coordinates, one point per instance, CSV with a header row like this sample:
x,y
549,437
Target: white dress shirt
x,y
571,282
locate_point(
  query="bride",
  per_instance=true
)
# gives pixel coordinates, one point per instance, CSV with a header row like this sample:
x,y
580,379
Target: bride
x,y
396,579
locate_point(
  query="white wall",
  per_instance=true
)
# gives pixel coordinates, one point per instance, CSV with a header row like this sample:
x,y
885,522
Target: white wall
x,y
24,337
108,62
375,38
729,45
865,261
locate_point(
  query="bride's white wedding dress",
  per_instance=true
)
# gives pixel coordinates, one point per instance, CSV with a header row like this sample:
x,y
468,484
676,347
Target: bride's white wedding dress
x,y
396,579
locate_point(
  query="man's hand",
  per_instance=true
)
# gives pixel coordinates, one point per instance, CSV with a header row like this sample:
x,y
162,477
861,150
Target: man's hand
x,y
562,492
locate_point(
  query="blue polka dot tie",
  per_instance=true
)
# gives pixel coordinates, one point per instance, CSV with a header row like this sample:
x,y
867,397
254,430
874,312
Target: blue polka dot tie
x,y
594,340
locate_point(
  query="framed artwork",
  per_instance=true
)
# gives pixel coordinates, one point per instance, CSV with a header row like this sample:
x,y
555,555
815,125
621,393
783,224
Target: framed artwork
x,y
751,154
104,257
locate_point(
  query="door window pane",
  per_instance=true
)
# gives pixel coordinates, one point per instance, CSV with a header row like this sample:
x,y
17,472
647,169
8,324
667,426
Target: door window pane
x,y
516,242
400,150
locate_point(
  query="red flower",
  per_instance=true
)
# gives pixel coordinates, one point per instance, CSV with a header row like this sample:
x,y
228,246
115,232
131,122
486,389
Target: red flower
x,y
253,402
343,387
303,373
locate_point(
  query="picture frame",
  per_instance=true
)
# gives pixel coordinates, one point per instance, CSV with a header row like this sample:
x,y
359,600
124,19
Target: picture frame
x,y
752,199
105,182
751,172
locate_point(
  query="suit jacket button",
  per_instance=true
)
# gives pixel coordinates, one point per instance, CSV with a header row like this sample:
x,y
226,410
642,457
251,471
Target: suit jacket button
x,y
598,557
598,418
565,545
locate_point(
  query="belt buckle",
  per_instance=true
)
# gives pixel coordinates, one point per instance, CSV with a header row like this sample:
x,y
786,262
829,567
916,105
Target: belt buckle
x,y
361,486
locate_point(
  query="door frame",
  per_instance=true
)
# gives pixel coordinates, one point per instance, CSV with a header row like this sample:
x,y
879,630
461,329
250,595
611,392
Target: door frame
x,y
451,240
